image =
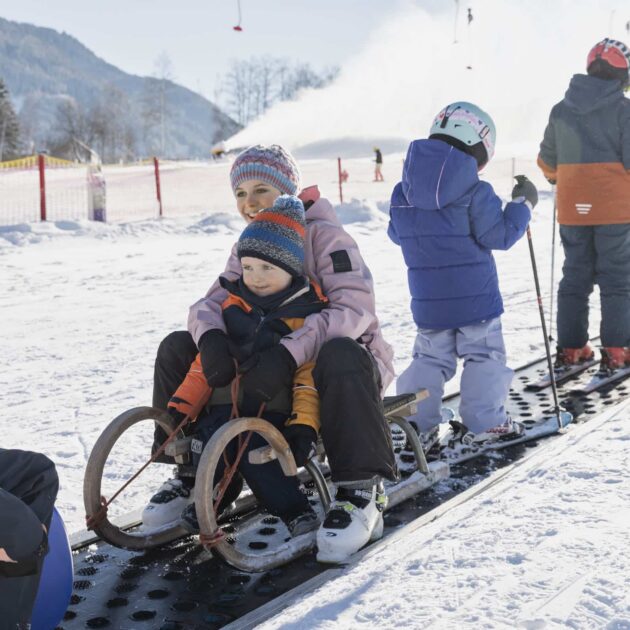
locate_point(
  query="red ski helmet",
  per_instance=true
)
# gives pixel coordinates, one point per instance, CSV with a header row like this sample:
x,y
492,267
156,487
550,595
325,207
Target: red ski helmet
x,y
610,59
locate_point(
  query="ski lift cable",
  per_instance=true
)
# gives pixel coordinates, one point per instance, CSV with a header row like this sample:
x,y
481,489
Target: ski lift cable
x,y
455,23
238,26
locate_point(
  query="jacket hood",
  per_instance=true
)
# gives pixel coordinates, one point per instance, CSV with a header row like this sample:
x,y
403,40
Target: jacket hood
x,y
322,210
436,174
587,94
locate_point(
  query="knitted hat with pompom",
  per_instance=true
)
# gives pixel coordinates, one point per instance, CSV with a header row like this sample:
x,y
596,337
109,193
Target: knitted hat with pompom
x,y
277,235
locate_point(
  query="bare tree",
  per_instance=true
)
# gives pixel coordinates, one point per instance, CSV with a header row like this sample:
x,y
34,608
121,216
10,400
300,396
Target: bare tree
x,y
252,86
9,126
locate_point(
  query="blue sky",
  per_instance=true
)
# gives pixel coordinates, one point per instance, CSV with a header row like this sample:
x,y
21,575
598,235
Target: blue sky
x,y
198,36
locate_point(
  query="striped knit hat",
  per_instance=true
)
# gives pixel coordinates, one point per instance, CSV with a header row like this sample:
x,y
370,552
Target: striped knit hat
x,y
271,164
277,235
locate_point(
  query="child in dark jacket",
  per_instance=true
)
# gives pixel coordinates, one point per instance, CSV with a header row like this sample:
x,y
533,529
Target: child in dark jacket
x,y
447,223
586,150
270,300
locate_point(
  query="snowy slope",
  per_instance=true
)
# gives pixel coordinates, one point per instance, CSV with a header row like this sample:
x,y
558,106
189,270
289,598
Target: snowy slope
x,y
514,60
546,547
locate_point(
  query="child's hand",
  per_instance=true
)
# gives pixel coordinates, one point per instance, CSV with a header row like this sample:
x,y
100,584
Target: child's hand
x,y
302,440
525,188
27,565
216,360
267,373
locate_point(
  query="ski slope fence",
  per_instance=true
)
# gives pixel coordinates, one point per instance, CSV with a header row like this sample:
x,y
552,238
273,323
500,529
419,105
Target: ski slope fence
x,y
42,187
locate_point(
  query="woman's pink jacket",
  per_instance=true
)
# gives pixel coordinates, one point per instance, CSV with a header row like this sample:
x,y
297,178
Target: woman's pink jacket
x,y
333,260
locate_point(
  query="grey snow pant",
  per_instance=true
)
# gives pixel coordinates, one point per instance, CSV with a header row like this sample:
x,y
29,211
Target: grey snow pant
x,y
595,254
485,380
356,436
28,488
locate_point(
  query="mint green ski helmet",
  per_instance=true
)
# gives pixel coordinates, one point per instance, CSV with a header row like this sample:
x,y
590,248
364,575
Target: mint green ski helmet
x,y
470,126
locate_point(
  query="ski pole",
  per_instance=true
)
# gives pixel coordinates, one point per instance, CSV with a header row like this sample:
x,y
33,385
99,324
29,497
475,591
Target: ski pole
x,y
552,374
553,259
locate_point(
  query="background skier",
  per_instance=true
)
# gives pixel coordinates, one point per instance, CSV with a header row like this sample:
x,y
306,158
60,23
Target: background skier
x,y
28,489
270,300
586,151
353,361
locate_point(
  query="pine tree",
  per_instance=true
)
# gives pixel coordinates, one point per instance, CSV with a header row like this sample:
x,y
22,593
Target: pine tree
x,y
9,126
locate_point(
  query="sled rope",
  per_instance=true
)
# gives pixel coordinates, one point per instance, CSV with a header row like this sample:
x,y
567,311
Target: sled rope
x,y
94,520
214,538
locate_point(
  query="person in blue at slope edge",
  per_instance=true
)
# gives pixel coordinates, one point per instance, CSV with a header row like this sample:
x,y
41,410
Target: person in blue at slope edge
x,y
28,489
447,223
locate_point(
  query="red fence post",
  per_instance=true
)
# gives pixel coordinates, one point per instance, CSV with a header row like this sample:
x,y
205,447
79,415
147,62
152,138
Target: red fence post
x,y
156,165
41,163
340,180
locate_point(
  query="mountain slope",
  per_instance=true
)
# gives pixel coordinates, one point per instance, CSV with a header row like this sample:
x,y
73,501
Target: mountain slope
x,y
43,68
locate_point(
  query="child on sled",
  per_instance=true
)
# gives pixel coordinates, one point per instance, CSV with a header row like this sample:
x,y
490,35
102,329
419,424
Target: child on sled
x,y
447,223
269,300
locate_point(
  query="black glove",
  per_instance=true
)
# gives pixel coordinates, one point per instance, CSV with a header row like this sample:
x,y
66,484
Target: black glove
x,y
525,188
301,439
267,373
216,360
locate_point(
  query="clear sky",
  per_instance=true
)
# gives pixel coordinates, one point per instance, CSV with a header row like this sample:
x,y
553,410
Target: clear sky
x,y
198,36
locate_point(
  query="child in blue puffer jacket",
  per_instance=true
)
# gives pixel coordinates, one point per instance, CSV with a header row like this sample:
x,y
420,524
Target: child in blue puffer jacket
x,y
447,223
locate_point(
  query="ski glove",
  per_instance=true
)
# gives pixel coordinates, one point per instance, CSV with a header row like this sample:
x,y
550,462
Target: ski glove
x,y
301,439
216,361
267,373
525,188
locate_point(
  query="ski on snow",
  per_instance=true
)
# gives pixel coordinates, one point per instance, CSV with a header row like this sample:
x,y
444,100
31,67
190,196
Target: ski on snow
x,y
562,374
601,379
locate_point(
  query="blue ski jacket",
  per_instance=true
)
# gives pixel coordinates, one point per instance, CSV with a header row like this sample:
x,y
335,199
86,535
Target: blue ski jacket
x,y
447,222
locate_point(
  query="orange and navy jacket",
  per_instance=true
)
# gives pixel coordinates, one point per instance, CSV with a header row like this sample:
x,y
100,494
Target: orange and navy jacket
x,y
586,150
254,324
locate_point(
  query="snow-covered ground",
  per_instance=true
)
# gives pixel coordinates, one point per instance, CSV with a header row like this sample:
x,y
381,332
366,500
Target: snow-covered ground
x,y
84,307
545,547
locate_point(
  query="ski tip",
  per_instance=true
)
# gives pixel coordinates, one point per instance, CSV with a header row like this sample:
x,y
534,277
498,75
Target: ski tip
x,y
565,418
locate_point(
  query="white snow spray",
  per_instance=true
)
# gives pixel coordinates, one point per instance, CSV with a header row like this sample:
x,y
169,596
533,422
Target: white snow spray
x,y
514,59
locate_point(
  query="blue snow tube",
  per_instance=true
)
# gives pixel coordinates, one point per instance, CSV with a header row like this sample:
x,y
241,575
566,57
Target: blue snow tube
x,y
55,584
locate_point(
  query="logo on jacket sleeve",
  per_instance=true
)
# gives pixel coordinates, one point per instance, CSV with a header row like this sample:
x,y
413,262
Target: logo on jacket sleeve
x,y
583,208
341,261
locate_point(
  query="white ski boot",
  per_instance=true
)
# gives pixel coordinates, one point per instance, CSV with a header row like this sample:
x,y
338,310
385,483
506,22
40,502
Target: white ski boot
x,y
166,505
354,519
508,430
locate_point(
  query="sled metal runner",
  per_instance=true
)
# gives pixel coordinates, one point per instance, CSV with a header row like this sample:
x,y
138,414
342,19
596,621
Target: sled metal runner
x,y
563,374
240,551
603,379
180,585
